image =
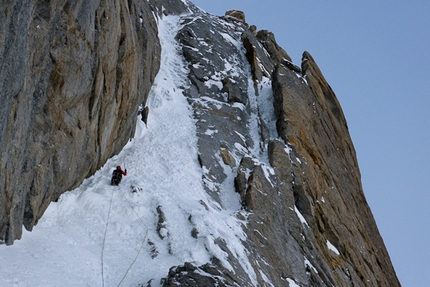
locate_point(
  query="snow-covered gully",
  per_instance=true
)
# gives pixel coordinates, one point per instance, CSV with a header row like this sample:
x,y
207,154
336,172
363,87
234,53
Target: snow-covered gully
x,y
100,235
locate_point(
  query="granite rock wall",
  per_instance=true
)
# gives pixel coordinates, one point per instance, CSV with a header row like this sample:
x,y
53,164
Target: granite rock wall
x,y
72,76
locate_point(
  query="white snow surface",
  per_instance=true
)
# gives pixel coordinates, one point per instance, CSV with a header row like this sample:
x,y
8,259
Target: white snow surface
x,y
331,247
300,216
100,235
292,283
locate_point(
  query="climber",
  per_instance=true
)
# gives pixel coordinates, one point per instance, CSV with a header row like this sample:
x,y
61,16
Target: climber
x,y
117,175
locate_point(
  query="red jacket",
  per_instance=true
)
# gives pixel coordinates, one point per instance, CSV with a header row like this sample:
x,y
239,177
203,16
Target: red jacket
x,y
118,168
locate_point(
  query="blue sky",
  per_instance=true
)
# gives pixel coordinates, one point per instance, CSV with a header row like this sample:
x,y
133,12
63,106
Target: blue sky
x,y
376,57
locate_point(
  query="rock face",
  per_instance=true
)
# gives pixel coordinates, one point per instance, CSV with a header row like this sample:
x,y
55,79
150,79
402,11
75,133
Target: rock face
x,y
72,76
280,129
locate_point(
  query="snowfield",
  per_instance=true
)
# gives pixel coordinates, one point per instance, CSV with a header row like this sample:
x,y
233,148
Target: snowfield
x,y
100,235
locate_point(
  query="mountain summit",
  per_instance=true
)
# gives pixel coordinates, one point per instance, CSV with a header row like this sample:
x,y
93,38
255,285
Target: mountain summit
x,y
241,170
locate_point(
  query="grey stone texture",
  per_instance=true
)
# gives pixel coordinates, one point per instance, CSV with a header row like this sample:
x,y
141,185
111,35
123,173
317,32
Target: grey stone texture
x,y
313,199
72,76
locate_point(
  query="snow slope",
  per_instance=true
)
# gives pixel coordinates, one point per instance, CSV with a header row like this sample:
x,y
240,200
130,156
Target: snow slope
x,y
99,235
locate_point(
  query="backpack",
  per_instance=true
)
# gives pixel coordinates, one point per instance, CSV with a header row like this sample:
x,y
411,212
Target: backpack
x,y
116,177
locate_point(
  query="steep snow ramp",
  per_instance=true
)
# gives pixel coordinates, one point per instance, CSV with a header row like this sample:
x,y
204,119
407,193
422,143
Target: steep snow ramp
x,y
92,235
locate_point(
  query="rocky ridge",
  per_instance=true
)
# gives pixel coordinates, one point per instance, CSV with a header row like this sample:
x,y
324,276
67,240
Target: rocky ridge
x,y
296,168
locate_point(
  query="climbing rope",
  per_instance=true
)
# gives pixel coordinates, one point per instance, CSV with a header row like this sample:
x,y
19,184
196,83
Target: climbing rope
x,y
104,239
143,240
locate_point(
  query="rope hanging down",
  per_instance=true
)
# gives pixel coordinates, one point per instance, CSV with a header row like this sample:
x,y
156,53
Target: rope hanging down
x,y
104,238
143,240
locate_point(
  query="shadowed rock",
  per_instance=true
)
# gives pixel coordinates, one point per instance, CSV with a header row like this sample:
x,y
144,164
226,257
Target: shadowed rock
x,y
72,77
